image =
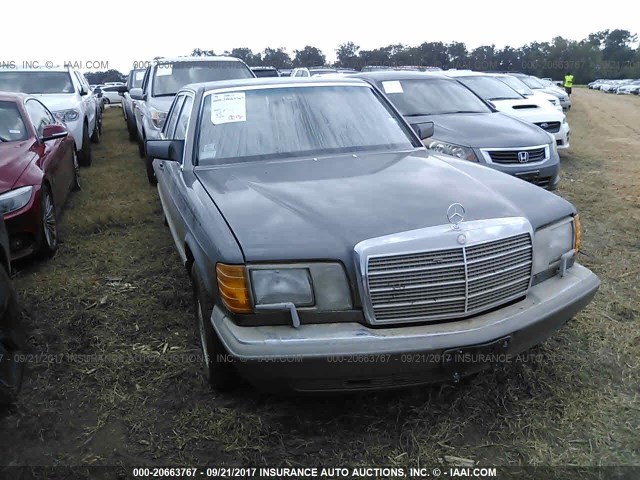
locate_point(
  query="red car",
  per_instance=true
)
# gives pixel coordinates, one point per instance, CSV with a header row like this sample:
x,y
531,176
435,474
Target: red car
x,y
38,168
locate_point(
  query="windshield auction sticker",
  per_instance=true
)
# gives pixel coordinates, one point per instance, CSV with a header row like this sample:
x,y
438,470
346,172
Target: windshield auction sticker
x,y
228,108
393,86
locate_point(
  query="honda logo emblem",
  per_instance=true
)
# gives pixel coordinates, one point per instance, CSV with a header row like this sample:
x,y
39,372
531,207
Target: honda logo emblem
x,y
523,157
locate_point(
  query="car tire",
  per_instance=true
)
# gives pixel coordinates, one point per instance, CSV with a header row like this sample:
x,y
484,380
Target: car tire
x,y
151,175
95,136
141,149
219,369
107,101
84,154
48,224
75,184
131,127
11,342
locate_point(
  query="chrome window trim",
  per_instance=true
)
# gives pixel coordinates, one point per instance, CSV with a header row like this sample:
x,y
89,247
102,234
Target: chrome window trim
x,y
487,157
429,239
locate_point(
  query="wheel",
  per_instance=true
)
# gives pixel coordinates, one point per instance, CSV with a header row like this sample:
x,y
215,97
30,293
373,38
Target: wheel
x,y
131,126
218,366
107,101
11,342
151,175
141,149
75,184
84,155
97,130
48,224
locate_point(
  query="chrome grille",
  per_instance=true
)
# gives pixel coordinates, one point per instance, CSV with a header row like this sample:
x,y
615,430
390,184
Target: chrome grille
x,y
449,283
511,156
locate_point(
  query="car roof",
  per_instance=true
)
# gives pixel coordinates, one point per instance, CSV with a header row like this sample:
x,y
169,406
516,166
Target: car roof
x,y
41,69
269,81
384,75
214,58
464,73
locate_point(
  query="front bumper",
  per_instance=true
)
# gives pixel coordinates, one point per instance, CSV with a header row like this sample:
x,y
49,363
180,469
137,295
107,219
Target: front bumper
x,y
562,137
351,356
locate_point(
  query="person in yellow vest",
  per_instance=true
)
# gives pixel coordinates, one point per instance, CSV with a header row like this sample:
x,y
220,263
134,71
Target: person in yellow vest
x,y
568,83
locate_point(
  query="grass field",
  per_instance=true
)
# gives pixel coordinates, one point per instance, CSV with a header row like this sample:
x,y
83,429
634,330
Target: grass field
x,y
114,373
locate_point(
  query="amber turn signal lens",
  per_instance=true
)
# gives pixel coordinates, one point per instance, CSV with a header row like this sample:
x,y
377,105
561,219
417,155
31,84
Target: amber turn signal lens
x,y
577,233
233,286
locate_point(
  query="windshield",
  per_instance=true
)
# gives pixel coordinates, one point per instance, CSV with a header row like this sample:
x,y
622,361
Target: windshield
x,y
282,122
516,84
137,77
266,73
532,82
171,77
12,128
432,97
36,82
490,88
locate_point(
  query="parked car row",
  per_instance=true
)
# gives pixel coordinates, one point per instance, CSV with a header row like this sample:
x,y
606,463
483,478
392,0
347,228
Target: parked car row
x,y
621,87
341,215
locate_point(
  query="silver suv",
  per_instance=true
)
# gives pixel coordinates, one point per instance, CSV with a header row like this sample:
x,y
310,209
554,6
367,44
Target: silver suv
x,y
66,92
162,80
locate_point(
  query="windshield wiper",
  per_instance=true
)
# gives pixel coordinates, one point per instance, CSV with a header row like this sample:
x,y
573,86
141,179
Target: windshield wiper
x,y
418,115
504,98
4,139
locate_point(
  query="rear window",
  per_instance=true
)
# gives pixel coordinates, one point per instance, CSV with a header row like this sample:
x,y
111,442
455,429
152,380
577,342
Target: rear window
x,y
36,82
171,77
12,127
266,73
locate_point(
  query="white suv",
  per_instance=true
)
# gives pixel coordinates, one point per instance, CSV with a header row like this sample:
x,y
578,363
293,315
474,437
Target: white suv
x,y
162,80
66,92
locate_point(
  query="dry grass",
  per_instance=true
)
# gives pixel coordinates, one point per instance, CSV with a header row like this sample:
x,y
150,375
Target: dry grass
x,y
116,289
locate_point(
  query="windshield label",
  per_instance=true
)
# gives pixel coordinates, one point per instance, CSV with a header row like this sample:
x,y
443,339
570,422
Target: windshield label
x,y
163,70
228,108
392,87
15,132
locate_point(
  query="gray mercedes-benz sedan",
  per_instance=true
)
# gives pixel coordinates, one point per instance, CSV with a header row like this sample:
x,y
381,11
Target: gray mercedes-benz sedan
x,y
467,127
329,250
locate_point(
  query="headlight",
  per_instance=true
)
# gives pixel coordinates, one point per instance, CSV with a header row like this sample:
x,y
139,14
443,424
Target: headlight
x,y
452,149
552,242
157,117
67,115
321,286
15,199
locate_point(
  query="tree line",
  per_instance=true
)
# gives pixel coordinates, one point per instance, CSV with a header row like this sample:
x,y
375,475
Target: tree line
x,y
605,54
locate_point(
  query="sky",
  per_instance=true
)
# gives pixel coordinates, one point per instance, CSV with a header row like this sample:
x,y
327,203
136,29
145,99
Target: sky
x,y
95,35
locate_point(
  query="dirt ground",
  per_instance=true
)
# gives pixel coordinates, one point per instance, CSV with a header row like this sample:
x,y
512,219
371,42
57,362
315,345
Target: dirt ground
x,y
114,374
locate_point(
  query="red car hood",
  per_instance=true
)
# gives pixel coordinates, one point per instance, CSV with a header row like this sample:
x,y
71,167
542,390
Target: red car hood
x,y
15,157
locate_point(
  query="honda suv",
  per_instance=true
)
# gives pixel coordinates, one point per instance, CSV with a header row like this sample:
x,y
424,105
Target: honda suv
x,y
162,80
66,92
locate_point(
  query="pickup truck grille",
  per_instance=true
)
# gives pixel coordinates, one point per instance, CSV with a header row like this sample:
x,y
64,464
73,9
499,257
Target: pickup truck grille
x,y
448,283
511,156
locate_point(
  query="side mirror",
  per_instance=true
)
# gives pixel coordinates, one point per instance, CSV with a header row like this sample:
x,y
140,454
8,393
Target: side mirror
x,y
122,89
423,130
54,131
83,91
136,94
165,149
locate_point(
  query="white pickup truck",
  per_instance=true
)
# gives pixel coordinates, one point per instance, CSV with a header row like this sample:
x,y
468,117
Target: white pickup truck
x,y
66,92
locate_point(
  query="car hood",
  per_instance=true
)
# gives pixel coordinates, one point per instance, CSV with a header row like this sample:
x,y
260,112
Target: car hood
x,y
483,130
15,157
530,109
58,101
320,209
161,103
